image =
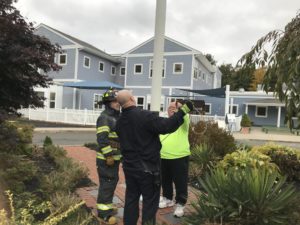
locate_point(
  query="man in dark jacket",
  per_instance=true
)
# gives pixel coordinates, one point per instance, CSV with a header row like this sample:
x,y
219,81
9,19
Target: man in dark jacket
x,y
108,156
138,131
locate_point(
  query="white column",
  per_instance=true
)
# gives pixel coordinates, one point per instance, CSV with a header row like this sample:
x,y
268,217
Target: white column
x,y
231,105
278,117
74,98
246,109
160,21
79,107
227,92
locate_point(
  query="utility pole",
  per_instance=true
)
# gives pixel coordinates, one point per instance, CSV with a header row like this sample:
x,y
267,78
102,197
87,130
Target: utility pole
x,y
158,54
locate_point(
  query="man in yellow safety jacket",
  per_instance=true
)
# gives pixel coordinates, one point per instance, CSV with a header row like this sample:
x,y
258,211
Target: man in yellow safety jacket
x,y
108,156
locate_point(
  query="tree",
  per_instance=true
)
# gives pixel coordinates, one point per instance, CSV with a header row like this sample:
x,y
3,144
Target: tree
x,y
22,55
242,78
227,71
258,77
282,62
211,59
238,77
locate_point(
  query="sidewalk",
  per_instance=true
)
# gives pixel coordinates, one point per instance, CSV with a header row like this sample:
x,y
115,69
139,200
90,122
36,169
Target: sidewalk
x,y
257,134
89,194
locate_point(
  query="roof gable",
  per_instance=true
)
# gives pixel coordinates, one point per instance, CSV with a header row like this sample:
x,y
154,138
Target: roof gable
x,y
169,46
81,44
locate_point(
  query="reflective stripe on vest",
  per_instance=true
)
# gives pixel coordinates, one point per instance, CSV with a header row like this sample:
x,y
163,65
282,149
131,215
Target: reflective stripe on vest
x,y
102,129
105,206
113,135
106,149
100,156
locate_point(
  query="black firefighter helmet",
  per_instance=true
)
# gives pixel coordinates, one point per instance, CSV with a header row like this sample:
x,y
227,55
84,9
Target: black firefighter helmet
x,y
109,96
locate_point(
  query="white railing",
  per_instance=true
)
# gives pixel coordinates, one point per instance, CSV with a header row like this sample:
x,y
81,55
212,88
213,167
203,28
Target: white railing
x,y
196,118
82,117
89,117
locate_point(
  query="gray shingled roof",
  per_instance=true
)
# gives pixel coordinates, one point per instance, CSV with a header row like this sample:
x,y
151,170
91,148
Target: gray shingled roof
x,y
87,47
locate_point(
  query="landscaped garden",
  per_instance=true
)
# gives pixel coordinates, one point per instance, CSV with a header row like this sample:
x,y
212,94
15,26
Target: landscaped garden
x,y
242,185
39,182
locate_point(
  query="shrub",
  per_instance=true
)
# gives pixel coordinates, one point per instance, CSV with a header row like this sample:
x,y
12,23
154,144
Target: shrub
x,y
93,146
15,140
66,178
71,213
221,141
54,152
287,159
47,141
245,122
17,171
248,197
202,159
242,159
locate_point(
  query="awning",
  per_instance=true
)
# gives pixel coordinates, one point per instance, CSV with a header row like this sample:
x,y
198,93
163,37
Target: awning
x,y
266,102
216,92
99,85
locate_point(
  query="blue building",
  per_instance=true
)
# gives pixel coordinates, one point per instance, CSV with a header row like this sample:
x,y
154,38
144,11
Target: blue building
x,y
184,67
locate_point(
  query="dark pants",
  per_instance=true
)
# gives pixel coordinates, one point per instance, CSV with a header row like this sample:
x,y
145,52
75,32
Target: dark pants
x,y
175,171
140,183
108,178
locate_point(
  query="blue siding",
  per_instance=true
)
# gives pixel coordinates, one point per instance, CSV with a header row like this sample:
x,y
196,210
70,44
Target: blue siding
x,y
67,71
170,78
169,47
218,108
53,37
118,78
93,72
67,99
200,83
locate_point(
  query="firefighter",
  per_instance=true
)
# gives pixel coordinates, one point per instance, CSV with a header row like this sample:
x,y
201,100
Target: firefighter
x,y
138,131
108,157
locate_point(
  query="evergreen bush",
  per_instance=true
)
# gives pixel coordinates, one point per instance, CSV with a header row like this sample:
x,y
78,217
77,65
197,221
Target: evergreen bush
x,y
245,122
247,197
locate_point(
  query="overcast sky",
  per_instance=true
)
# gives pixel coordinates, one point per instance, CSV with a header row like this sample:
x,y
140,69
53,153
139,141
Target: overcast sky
x,y
224,28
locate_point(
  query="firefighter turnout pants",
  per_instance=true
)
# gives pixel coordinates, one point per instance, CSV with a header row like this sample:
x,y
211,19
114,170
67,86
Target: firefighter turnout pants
x,y
108,179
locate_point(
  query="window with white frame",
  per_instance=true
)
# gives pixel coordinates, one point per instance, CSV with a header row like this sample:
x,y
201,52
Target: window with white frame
x,y
101,66
140,102
261,111
177,68
122,71
113,70
161,107
151,68
52,100
174,100
40,94
86,62
207,108
235,109
195,73
97,99
138,69
203,76
62,59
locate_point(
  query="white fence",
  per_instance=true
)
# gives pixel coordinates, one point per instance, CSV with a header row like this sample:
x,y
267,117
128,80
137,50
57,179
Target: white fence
x,y
82,117
89,117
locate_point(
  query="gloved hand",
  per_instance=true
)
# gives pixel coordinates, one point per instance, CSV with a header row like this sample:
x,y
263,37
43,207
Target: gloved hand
x,y
187,106
110,160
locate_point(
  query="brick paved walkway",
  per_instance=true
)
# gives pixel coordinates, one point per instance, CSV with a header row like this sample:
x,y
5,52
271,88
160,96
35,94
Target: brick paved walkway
x,y
89,194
